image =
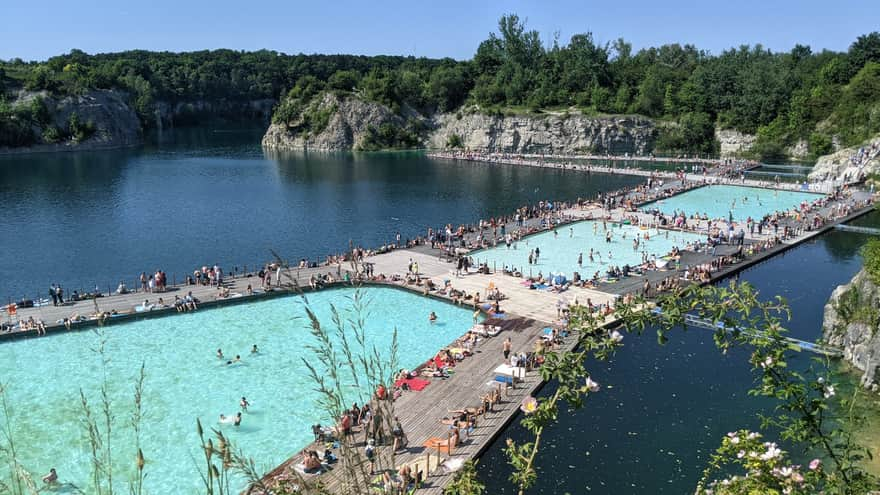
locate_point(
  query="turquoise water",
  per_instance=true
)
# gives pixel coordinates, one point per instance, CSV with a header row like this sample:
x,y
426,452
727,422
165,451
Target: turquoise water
x,y
742,202
185,381
559,253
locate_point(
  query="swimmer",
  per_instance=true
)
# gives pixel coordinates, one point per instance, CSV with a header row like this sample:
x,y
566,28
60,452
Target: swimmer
x,y
51,478
254,349
433,317
237,420
219,354
244,403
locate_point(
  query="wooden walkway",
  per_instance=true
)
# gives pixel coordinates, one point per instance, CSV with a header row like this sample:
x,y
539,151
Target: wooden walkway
x,y
421,412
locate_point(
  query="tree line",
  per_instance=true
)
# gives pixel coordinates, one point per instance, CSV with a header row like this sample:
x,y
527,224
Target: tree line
x,y
782,97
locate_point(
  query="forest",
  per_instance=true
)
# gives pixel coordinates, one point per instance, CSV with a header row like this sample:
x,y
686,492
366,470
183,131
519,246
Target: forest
x,y
782,97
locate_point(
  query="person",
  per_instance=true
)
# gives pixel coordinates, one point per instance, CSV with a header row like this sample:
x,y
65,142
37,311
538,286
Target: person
x,y
311,462
51,478
399,436
433,317
254,349
370,454
244,403
219,354
507,346
237,420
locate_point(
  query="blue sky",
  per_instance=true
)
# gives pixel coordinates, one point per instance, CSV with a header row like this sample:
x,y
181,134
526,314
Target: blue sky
x,y
37,29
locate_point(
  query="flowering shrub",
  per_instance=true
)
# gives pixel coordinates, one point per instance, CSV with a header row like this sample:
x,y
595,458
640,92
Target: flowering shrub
x,y
767,469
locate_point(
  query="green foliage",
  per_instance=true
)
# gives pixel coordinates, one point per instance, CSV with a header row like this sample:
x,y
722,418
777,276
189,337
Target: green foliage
x,y
693,134
465,482
78,130
854,307
871,257
391,136
454,141
857,115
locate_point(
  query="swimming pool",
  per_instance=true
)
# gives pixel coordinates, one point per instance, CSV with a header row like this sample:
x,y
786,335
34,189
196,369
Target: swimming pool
x,y
559,252
185,380
741,201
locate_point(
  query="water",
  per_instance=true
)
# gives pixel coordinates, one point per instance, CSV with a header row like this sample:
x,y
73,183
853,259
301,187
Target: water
x,y
668,406
202,197
559,252
741,202
185,381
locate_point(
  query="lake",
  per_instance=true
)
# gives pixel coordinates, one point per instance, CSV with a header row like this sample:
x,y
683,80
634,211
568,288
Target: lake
x,y
204,196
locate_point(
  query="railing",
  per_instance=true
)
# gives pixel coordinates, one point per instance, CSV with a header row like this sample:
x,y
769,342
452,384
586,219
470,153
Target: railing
x,y
797,344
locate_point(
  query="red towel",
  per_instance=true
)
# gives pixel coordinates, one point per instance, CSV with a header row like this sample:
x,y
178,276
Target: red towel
x,y
416,384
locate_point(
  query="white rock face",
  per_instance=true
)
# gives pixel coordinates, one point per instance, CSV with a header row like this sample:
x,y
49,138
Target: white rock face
x,y
353,117
860,340
346,130
545,134
116,123
733,142
849,161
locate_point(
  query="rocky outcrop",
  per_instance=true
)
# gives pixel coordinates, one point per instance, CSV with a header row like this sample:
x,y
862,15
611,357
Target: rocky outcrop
x,y
850,162
353,122
852,323
544,134
800,150
110,121
349,120
733,143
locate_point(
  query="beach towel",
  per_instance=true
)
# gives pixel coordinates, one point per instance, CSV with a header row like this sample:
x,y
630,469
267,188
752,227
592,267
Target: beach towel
x,y
416,384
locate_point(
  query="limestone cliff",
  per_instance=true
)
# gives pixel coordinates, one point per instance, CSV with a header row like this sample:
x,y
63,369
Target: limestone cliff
x,y
544,134
98,119
849,161
346,122
732,142
333,123
852,321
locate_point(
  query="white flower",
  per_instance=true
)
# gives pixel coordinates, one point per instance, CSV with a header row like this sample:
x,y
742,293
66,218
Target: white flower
x,y
829,391
734,440
768,362
753,435
772,452
740,454
815,464
821,379
786,472
591,385
616,336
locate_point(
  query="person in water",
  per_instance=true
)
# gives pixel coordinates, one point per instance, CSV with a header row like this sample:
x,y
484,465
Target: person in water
x,y
433,317
254,349
244,403
51,478
237,420
219,354
234,361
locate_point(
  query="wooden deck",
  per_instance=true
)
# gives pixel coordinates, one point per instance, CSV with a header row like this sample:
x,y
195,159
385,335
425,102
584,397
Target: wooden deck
x,y
421,412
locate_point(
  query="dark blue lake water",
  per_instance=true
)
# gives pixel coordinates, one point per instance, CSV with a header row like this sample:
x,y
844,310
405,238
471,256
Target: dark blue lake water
x,y
205,196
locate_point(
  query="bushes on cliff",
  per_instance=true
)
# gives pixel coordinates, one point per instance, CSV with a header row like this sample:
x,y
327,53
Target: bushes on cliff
x,y
871,257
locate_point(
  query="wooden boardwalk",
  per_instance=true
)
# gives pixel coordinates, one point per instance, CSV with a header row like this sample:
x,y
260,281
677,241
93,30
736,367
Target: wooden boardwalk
x,y
421,412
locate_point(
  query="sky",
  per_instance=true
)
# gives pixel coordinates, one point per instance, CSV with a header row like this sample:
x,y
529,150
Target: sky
x,y
38,29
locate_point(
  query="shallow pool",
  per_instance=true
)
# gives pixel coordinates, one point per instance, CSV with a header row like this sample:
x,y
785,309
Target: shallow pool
x,y
559,252
739,201
185,380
